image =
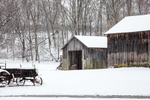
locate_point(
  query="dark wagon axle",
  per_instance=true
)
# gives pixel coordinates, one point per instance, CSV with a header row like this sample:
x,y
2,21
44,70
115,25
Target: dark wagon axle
x,y
20,76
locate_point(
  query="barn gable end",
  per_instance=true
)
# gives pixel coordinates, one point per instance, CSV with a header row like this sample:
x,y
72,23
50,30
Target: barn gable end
x,y
129,46
77,55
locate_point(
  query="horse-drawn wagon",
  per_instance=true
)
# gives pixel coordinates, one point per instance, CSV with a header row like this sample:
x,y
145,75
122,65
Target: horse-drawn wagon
x,y
20,76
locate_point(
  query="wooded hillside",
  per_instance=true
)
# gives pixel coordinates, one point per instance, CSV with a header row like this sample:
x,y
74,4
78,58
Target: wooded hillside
x,y
37,29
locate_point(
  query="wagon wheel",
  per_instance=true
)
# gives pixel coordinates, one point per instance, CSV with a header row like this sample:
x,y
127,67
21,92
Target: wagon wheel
x,y
5,78
20,81
38,80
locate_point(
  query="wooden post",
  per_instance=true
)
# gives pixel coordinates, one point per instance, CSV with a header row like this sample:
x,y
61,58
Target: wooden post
x,y
135,48
146,46
115,49
108,52
122,49
125,48
83,62
140,49
5,64
149,47
117,46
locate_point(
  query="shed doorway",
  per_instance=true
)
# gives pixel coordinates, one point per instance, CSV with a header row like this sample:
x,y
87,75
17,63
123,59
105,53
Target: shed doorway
x,y
75,60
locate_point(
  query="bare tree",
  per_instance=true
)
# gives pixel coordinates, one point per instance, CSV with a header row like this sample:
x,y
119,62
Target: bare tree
x,y
31,29
143,6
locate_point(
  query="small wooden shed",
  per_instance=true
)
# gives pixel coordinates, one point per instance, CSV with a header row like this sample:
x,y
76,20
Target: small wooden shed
x,y
129,42
85,52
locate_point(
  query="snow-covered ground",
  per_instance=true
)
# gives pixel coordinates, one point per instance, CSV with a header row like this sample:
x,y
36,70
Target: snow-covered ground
x,y
113,81
20,98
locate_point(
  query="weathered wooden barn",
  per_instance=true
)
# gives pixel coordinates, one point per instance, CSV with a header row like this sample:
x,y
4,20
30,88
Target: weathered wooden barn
x,y
129,42
85,52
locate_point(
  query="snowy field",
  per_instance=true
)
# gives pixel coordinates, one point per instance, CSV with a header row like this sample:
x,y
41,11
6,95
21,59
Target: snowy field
x,y
102,82
20,98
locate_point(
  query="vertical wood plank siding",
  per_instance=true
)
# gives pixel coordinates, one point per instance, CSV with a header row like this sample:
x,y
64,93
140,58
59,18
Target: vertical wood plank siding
x,y
92,58
129,49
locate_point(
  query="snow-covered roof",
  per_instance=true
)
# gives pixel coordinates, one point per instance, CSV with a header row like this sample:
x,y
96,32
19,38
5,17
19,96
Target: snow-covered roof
x,y
131,24
91,41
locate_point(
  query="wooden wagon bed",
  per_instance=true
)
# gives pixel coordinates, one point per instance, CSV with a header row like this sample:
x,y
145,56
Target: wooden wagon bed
x,y
19,76
17,72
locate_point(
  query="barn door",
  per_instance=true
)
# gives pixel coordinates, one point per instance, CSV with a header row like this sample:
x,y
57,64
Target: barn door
x,y
79,59
75,60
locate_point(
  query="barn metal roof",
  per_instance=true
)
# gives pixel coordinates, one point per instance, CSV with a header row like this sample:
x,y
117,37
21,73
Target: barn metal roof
x,y
91,41
131,24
